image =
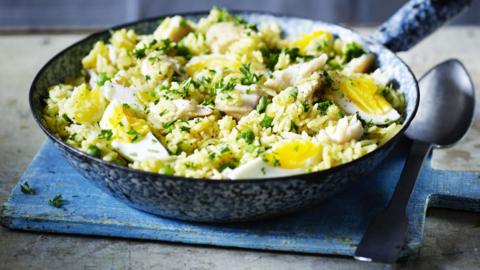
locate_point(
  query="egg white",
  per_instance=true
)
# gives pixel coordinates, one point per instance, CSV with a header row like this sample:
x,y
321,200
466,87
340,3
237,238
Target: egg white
x,y
148,147
118,93
257,168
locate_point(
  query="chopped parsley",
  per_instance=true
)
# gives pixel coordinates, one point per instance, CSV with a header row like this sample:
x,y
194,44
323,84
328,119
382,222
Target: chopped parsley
x,y
276,162
73,137
334,65
323,106
57,201
340,114
306,107
294,92
93,150
264,170
248,76
183,22
352,50
262,104
224,149
240,21
66,118
102,78
26,189
266,121
231,165
270,57
167,170
140,53
247,135
136,136
185,128
293,53
182,50
166,46
221,86
105,134
169,123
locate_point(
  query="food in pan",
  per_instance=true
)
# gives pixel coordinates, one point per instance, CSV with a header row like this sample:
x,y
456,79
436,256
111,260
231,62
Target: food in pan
x,y
225,99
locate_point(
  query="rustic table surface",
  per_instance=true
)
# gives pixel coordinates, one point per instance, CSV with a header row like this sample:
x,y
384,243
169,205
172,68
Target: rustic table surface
x,y
452,238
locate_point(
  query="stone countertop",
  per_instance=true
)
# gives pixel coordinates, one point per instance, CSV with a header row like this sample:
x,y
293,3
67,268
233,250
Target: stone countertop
x,y
452,238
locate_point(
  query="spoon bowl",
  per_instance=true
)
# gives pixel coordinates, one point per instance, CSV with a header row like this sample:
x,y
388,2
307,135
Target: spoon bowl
x,y
446,105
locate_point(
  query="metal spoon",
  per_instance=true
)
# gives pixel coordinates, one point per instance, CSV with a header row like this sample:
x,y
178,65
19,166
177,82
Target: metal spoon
x,y
447,102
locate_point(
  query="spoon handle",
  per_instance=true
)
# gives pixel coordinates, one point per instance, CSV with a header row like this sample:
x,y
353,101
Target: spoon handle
x,y
385,236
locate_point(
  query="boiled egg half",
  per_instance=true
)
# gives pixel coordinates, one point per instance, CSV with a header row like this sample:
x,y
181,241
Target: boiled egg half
x,y
132,137
361,95
287,158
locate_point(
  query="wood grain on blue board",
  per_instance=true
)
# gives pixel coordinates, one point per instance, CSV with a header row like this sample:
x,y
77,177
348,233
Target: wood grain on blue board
x,y
334,227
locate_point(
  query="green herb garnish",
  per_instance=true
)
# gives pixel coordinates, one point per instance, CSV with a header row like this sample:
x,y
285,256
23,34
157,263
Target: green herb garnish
x,y
26,189
66,118
136,136
293,53
248,136
248,76
276,162
266,121
262,104
93,150
182,50
57,201
231,165
105,134
270,57
294,92
323,106
185,128
352,50
169,123
102,78
139,53
167,170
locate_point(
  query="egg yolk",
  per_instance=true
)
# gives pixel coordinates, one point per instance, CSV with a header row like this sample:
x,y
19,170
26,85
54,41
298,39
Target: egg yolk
x,y
199,63
303,42
364,93
294,155
125,126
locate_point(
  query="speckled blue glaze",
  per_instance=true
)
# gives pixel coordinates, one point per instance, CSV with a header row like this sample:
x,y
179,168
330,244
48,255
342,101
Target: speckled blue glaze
x,y
416,20
212,200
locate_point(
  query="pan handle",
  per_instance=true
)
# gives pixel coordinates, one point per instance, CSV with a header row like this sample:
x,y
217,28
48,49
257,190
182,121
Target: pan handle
x,y
416,20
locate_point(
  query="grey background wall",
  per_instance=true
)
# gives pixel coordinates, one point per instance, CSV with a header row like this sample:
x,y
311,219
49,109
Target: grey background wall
x,y
81,14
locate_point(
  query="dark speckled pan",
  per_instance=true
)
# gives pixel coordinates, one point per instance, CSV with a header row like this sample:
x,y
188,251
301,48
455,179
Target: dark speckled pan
x,y
226,201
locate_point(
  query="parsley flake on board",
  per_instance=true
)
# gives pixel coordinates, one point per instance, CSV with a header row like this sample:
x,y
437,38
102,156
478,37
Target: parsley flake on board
x,y
57,201
26,189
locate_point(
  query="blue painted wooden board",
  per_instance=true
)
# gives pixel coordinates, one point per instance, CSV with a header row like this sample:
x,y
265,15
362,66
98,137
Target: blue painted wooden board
x,y
334,227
